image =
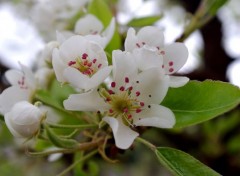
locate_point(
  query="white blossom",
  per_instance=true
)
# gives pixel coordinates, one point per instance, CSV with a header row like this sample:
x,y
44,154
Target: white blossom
x,y
81,63
24,119
132,99
149,41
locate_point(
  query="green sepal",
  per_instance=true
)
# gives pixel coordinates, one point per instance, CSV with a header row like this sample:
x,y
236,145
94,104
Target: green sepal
x,y
60,142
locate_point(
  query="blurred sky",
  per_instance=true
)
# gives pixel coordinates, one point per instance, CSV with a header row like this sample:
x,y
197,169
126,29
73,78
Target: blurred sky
x,y
20,41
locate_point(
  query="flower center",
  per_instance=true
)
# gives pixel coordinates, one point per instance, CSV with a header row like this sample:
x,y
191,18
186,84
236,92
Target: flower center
x,y
85,65
123,102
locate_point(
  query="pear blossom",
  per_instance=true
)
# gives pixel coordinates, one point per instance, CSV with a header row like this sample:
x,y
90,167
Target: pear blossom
x,y
92,28
131,99
55,14
81,63
151,39
23,85
24,119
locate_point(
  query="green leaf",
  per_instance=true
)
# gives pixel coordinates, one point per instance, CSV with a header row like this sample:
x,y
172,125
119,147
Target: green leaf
x,y
182,164
144,21
101,10
197,102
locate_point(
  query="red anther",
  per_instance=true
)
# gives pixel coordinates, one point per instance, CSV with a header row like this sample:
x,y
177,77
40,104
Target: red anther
x,y
110,110
171,69
170,63
158,47
143,43
110,92
129,116
126,80
162,66
94,61
130,88
137,44
141,103
113,84
71,63
162,52
84,56
137,93
99,65
138,110
89,64
108,99
125,110
85,62
122,88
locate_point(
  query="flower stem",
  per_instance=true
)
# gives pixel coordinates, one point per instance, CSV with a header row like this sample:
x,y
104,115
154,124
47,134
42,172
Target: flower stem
x,y
77,162
72,126
147,143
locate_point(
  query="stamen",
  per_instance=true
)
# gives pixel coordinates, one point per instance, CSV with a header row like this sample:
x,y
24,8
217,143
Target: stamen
x,y
113,84
141,103
170,63
99,65
122,88
171,70
126,80
125,110
138,110
94,61
129,116
137,93
71,63
84,56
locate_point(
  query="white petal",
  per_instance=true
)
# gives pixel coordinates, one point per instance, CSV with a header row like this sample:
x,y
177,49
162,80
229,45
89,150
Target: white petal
x,y
109,31
75,77
152,85
29,76
13,76
98,78
123,66
147,58
58,65
88,24
152,36
63,36
89,101
73,47
95,51
156,116
12,95
130,41
123,135
178,81
98,39
176,55
9,122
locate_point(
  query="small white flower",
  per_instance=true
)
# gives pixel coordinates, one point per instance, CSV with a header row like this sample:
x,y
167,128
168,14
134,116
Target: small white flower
x,y
81,63
150,40
132,99
23,85
92,28
24,119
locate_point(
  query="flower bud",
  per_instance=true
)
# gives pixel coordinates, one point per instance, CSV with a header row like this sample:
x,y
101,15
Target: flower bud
x,y
24,119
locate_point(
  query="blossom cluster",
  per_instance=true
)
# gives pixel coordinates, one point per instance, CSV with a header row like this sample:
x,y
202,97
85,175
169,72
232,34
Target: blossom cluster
x,y
125,94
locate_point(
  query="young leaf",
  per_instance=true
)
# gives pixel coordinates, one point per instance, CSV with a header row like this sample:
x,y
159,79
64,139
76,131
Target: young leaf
x,y
200,101
144,21
180,163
